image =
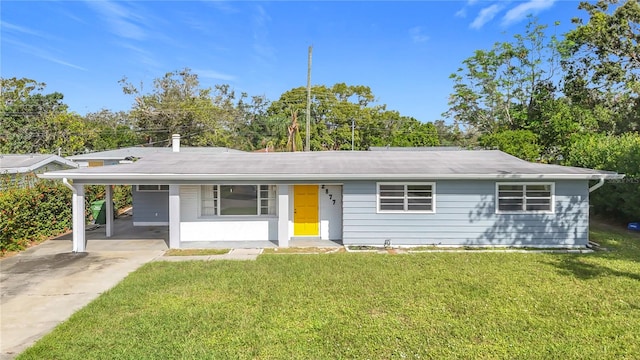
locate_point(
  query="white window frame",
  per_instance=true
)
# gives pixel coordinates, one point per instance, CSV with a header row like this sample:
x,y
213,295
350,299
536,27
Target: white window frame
x,y
218,200
552,209
406,198
157,189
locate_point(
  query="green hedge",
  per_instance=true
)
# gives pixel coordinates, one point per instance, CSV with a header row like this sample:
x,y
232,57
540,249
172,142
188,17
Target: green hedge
x,y
618,200
32,210
121,197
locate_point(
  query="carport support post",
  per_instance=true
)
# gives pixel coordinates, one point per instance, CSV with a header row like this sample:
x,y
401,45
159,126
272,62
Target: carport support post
x,y
174,216
109,208
79,239
283,216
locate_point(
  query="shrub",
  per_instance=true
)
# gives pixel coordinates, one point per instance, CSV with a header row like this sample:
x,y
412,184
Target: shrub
x,y
619,200
32,210
121,197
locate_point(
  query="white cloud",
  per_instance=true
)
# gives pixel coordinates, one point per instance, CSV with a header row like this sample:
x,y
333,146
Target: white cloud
x,y
142,56
485,15
221,5
122,21
73,17
417,34
264,51
521,11
43,54
212,74
23,30
462,13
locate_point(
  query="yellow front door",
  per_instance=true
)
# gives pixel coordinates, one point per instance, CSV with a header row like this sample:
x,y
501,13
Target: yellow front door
x,y
305,210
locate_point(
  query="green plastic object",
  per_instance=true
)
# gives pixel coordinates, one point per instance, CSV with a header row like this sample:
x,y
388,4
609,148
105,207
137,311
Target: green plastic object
x,y
99,212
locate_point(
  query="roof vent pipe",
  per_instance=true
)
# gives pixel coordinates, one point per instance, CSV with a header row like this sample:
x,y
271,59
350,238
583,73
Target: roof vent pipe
x,y
175,142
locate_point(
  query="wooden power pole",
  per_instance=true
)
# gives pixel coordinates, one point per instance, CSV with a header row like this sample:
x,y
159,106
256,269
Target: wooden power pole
x,y
307,145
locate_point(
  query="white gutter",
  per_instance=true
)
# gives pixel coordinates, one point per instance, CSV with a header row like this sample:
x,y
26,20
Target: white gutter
x,y
597,186
66,183
318,177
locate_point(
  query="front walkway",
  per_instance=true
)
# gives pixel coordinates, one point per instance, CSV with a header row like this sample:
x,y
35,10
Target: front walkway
x,y
234,254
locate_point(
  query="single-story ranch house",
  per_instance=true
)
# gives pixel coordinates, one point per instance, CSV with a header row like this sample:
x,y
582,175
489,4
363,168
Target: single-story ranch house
x,y
401,198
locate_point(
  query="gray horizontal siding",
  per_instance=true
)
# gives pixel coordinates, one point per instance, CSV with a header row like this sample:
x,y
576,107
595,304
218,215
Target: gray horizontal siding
x,y
465,215
150,207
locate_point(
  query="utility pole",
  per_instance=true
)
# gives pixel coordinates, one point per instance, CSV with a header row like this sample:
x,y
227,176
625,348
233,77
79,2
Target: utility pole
x,y
307,146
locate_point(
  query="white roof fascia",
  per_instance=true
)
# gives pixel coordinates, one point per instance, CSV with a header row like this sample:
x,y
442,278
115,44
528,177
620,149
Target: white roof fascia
x,y
323,177
39,164
63,161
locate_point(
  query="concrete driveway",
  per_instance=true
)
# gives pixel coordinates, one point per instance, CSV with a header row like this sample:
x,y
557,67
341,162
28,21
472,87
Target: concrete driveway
x,y
43,286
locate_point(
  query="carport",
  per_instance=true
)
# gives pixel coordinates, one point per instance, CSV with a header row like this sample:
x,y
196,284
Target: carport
x,y
112,230
77,185
123,236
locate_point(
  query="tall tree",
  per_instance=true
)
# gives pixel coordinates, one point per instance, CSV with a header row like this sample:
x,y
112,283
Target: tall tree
x,y
111,130
176,104
233,115
33,122
510,94
342,115
604,67
332,111
267,132
496,88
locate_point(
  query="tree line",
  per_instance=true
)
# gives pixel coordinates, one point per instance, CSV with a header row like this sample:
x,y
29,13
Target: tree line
x,y
570,99
342,116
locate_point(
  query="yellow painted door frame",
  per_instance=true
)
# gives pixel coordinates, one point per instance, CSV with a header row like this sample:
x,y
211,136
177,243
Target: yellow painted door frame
x,y
305,210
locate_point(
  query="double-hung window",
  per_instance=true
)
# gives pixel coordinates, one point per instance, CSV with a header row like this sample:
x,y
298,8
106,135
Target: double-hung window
x,y
237,200
406,197
524,197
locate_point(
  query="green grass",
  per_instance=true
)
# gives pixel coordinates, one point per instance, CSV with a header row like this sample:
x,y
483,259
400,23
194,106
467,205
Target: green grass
x,y
368,305
302,250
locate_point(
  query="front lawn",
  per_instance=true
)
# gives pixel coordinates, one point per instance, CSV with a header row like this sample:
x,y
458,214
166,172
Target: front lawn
x,y
368,305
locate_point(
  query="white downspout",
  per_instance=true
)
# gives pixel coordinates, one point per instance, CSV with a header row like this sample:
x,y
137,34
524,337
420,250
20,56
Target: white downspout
x,y
592,189
66,183
597,186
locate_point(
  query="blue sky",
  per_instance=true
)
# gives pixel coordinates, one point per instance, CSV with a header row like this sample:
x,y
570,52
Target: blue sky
x,y
404,51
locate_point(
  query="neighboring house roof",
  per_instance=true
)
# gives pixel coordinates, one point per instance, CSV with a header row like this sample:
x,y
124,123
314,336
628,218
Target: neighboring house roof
x,y
16,164
330,165
140,152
